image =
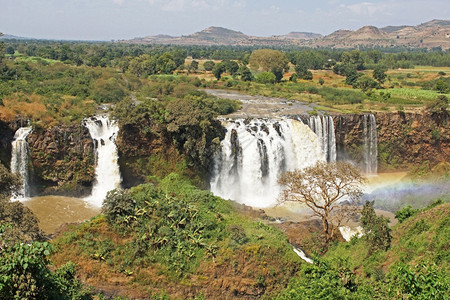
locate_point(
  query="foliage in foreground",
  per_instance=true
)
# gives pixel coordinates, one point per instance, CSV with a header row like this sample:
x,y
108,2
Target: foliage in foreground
x,y
414,267
24,274
24,271
173,229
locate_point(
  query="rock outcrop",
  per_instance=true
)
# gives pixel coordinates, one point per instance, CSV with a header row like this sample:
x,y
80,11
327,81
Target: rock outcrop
x,y
404,139
63,160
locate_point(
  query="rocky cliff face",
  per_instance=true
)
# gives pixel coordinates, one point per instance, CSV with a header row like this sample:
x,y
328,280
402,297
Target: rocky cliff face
x,y
63,160
145,150
404,139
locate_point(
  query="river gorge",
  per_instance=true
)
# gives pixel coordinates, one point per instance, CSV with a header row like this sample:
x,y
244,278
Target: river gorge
x,y
267,137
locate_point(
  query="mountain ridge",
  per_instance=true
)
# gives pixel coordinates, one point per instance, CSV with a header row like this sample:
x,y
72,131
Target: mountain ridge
x,y
431,34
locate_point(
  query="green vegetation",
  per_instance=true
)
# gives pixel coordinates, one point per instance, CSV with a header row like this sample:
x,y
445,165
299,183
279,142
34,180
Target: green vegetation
x,y
24,271
414,267
167,237
176,230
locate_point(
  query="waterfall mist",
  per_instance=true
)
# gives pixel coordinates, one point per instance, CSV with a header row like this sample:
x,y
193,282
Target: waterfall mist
x,y
19,161
107,174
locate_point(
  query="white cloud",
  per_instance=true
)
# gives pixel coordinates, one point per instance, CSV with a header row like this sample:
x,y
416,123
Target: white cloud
x,y
119,2
271,10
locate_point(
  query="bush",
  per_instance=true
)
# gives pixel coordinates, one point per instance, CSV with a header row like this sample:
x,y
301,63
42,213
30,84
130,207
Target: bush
x,y
24,275
376,229
406,212
118,206
266,77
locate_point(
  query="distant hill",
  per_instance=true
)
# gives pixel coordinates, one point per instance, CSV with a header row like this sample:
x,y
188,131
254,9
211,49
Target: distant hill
x,y
435,33
13,37
223,36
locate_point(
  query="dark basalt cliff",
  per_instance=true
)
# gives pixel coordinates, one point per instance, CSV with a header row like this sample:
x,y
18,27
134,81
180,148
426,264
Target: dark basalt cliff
x,y
62,158
404,139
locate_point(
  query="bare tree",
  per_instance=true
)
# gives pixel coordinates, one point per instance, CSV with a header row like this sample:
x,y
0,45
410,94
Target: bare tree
x,y
321,187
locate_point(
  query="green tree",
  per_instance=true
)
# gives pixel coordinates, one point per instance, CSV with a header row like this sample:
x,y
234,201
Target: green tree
x,y
379,73
365,83
266,77
231,66
321,187
193,127
439,105
269,60
303,72
245,73
208,65
441,86
193,67
218,70
376,229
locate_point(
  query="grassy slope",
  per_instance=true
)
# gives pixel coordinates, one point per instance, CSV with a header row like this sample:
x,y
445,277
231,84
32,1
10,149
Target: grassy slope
x,y
421,238
250,258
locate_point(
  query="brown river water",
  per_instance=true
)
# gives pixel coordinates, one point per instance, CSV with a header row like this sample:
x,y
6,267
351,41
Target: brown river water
x,y
53,211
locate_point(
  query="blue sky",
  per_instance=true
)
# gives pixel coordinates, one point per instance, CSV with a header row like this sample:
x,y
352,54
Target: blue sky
x,y
125,19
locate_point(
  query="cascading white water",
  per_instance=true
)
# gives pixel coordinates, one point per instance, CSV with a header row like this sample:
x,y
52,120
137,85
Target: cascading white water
x,y
254,153
19,161
323,126
107,174
370,144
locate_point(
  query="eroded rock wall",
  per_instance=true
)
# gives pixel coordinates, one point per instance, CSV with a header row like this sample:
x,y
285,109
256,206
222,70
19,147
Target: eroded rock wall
x,y
405,140
63,160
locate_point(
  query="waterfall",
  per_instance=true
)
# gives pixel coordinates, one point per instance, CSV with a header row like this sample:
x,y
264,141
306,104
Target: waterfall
x,y
19,161
302,255
107,174
255,152
370,153
323,127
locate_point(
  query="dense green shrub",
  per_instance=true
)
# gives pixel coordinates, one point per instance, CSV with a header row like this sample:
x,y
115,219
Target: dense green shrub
x,y
266,77
24,274
376,228
406,212
118,207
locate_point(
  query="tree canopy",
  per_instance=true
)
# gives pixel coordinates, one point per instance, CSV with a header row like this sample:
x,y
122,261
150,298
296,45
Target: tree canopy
x,y
321,187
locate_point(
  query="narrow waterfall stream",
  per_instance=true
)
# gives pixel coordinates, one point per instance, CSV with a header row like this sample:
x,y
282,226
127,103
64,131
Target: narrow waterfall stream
x,y
323,126
107,174
19,161
370,144
255,152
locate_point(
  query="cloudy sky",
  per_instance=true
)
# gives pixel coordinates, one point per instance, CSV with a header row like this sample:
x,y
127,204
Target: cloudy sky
x,y
125,19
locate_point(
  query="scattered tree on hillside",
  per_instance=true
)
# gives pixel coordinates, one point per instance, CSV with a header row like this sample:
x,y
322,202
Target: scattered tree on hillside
x,y
192,68
208,65
438,106
365,83
441,86
231,66
270,61
379,73
303,72
321,187
245,73
376,229
218,70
